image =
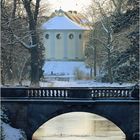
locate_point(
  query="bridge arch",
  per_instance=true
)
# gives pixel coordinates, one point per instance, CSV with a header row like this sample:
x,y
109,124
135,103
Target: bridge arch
x,y
28,112
107,114
74,114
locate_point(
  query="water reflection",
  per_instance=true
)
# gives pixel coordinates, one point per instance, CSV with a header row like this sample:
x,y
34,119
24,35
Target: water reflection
x,y
78,126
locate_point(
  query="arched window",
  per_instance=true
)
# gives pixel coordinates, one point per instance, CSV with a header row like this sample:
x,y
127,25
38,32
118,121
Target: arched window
x,y
80,36
47,36
71,36
58,36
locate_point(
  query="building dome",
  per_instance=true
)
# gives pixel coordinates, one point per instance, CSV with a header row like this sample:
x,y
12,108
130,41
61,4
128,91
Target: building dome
x,y
61,23
63,38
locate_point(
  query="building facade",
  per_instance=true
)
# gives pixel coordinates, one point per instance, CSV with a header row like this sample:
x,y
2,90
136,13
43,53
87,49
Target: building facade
x,y
63,38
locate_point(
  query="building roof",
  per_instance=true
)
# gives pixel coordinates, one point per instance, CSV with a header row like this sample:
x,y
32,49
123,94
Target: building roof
x,y
78,18
62,22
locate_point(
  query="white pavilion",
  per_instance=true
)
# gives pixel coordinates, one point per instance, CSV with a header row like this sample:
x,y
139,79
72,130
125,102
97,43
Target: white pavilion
x,y
63,38
64,43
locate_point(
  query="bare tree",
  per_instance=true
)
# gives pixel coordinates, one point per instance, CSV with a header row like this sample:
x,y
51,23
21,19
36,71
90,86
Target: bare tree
x,y
90,59
12,53
102,13
32,10
20,30
11,16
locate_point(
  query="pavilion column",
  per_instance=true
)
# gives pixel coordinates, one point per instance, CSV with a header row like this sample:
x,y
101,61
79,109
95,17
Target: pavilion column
x,y
65,46
53,45
76,45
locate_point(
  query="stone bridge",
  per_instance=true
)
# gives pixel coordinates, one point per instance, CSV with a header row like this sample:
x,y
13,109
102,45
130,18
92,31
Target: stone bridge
x,y
29,108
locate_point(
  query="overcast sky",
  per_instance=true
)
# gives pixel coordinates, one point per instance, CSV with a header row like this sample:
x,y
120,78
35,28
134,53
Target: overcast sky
x,y
67,5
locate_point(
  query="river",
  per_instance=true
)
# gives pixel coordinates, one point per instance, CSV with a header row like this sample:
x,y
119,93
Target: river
x,y
80,138
79,126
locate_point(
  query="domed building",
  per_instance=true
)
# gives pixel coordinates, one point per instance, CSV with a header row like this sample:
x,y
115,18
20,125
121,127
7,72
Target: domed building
x,y
63,38
64,41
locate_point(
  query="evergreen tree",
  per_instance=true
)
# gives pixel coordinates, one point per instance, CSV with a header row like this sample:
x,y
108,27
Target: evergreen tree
x,y
126,68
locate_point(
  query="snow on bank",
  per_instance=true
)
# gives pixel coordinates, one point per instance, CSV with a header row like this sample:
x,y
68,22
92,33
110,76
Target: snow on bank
x,y
64,67
82,83
76,83
11,133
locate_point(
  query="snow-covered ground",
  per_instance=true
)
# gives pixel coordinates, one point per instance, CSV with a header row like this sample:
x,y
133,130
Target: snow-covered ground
x,y
10,133
64,67
75,83
82,83
61,74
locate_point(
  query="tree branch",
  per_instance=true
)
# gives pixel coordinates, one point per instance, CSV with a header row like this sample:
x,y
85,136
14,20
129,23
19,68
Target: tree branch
x,y
23,43
13,12
99,40
104,26
114,3
27,6
36,10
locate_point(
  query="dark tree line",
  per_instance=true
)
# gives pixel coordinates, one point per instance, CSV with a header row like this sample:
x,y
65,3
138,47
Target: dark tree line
x,y
21,48
12,53
114,40
126,67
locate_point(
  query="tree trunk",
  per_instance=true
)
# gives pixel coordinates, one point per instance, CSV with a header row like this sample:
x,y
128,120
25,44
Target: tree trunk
x,y
109,43
94,62
10,73
11,61
34,59
91,73
2,73
32,16
109,67
34,67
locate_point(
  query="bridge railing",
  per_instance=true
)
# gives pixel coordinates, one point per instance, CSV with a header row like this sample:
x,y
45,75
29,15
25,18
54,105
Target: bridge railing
x,y
111,93
74,93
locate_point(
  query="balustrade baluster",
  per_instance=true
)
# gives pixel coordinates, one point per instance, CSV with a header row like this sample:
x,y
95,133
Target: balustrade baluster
x,y
66,93
123,92
126,94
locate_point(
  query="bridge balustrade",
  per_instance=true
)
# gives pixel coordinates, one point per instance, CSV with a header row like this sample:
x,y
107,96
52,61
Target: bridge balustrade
x,y
111,93
47,93
75,93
